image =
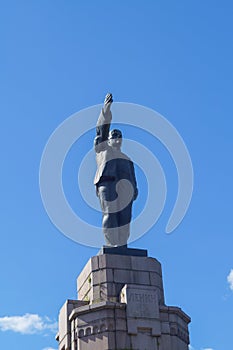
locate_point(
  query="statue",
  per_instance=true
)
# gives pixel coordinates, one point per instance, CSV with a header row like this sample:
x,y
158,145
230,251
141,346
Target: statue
x,y
115,179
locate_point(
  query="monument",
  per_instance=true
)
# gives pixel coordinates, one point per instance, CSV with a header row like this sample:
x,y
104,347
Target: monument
x,y
115,179
121,303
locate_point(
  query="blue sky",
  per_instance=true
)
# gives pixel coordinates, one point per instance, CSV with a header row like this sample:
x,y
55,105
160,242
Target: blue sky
x,y
58,57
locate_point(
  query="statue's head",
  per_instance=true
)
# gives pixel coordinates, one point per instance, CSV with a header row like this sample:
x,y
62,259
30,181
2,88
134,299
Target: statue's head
x,y
115,138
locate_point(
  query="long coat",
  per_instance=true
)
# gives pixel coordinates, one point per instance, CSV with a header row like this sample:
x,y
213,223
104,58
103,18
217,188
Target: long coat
x,y
110,161
114,195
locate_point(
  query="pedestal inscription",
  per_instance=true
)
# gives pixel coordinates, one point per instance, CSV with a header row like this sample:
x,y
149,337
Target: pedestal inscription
x,y
141,301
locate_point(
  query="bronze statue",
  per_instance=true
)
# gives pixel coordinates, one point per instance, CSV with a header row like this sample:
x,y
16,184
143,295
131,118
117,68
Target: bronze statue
x,y
115,179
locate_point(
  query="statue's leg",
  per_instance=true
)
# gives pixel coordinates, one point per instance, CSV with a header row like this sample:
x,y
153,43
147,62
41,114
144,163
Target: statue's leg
x,y
107,194
124,218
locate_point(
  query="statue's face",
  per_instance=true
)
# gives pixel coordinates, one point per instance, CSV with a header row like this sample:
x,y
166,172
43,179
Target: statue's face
x,y
115,138
116,143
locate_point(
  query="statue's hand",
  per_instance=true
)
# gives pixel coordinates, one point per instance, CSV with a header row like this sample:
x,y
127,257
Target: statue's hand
x,y
108,99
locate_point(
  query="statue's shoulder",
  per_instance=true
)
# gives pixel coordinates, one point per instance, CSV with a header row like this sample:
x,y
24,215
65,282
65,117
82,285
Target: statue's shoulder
x,y
100,145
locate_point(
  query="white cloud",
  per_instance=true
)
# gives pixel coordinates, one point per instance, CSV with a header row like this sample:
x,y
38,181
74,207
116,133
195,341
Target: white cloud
x,y
192,348
27,324
49,349
230,279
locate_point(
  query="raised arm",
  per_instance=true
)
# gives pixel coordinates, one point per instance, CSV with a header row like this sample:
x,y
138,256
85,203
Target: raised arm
x,y
103,124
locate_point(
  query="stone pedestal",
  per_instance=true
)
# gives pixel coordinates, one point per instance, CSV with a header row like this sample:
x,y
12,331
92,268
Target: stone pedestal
x,y
121,306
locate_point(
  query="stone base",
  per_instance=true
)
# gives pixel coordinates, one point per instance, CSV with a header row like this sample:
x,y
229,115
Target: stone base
x,y
122,250
121,307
